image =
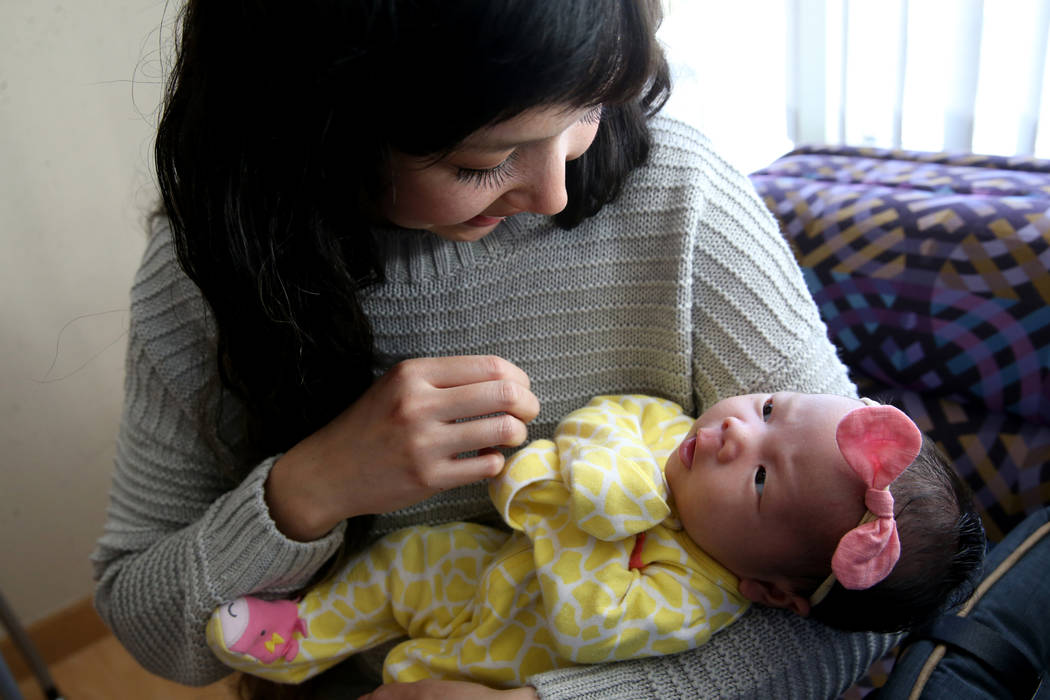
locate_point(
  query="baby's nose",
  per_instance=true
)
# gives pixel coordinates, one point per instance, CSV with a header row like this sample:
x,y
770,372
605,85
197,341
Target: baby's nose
x,y
731,440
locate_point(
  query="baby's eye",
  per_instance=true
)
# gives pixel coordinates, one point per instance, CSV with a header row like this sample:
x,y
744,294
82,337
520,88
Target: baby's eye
x,y
760,479
767,408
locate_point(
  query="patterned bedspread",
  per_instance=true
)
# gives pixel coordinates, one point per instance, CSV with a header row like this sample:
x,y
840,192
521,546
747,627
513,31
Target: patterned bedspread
x,y
933,274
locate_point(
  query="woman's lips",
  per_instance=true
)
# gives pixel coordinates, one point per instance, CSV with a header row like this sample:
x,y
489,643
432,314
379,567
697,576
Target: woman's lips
x,y
686,451
482,221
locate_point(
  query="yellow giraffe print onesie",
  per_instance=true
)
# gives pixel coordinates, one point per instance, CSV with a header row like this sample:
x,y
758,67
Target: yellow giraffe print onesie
x,y
596,568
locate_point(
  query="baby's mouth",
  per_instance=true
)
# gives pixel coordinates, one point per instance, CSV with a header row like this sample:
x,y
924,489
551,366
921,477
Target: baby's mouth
x,y
709,440
686,451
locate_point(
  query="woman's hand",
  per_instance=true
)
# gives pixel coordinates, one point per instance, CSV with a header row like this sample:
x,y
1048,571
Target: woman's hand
x,y
397,444
450,690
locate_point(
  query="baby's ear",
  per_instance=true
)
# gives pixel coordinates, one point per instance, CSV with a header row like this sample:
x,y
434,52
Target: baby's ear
x,y
773,595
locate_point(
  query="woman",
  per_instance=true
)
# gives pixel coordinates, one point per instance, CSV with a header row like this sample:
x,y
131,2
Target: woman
x,y
406,234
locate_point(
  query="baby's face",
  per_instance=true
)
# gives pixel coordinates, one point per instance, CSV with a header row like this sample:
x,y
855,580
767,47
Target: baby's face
x,y
760,480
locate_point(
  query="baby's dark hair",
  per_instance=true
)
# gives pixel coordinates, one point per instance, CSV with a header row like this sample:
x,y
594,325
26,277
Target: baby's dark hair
x,y
942,549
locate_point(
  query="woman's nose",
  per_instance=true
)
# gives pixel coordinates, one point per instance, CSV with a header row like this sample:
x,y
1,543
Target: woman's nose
x,y
542,189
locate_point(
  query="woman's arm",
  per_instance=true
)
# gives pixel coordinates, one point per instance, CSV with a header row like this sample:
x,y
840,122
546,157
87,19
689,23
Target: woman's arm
x,y
183,536
767,654
756,327
179,540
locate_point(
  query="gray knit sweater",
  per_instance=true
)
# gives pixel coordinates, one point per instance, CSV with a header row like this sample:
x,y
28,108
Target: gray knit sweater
x,y
682,288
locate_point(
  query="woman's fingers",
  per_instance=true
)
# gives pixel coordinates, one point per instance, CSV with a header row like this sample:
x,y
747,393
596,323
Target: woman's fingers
x,y
488,398
437,453
445,372
441,474
448,389
451,473
502,430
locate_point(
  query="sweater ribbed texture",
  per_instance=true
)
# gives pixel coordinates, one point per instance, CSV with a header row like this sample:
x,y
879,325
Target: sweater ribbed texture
x,y
766,654
682,288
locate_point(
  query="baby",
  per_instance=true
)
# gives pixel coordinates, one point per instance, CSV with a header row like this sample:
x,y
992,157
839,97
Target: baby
x,y
638,532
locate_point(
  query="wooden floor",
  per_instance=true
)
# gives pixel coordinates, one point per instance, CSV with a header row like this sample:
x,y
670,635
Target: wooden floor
x,y
104,671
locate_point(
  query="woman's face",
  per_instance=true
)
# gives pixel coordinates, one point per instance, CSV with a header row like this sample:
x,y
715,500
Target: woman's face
x,y
499,171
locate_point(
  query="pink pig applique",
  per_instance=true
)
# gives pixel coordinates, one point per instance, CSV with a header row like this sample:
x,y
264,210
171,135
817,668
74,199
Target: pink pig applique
x,y
262,628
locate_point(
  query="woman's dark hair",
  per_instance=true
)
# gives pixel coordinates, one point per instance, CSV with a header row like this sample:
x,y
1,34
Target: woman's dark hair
x,y
942,549
273,144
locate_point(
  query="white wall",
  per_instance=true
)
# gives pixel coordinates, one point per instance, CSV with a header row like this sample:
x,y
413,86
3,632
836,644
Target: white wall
x,y
78,93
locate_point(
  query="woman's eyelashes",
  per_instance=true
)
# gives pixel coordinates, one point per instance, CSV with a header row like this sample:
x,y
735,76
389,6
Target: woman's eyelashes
x,y
496,177
488,178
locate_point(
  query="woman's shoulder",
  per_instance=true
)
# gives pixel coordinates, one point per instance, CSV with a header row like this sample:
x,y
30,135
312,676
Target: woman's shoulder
x,y
685,173
673,132
682,156
679,141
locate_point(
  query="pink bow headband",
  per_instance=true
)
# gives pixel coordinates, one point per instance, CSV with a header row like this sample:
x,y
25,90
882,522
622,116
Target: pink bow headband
x,y
878,442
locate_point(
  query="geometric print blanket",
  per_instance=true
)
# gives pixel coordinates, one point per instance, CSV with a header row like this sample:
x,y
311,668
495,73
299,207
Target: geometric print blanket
x,y
932,272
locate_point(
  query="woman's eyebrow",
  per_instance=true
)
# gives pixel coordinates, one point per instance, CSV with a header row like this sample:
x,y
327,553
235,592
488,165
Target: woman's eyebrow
x,y
504,144
494,142
492,146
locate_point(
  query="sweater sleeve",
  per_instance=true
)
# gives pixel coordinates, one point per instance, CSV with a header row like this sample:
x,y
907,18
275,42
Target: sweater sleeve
x,y
756,327
181,537
767,654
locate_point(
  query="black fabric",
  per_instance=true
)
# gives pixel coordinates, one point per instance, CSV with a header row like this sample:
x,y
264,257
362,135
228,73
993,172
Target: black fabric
x,y
1019,673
